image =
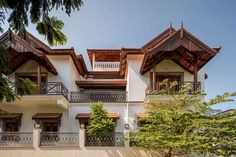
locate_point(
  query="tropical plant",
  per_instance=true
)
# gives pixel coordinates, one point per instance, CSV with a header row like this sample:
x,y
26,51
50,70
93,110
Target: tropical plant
x,y
37,12
182,126
99,121
7,93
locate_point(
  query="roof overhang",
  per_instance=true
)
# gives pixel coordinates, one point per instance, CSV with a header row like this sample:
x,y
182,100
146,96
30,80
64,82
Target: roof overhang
x,y
181,47
82,116
102,83
21,51
53,117
11,116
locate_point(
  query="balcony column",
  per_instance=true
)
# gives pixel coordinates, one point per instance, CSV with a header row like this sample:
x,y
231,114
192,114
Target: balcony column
x,y
154,78
195,76
36,136
82,135
93,61
39,78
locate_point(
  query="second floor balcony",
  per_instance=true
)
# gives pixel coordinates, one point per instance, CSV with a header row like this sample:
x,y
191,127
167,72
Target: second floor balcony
x,y
114,96
151,95
50,88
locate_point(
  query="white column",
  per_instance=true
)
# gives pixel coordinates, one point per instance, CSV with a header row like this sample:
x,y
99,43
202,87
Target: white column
x,y
82,135
36,137
93,61
126,130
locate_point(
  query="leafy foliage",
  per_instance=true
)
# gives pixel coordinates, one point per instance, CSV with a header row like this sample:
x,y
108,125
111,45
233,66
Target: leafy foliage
x,y
7,93
50,28
37,12
181,126
99,122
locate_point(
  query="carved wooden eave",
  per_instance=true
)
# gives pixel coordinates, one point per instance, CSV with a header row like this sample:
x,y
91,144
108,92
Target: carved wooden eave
x,y
181,47
21,51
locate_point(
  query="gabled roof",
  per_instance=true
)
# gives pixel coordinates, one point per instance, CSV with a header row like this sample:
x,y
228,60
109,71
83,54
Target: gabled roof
x,y
31,47
155,41
183,48
22,51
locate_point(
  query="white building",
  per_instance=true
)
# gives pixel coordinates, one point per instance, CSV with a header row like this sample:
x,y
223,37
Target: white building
x,y
120,78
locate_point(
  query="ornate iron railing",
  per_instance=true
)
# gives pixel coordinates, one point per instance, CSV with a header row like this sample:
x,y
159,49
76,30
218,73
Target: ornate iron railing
x,y
65,139
98,95
50,88
175,88
16,139
105,139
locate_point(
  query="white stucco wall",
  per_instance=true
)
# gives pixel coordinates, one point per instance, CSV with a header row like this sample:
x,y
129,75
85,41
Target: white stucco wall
x,y
120,108
137,83
27,123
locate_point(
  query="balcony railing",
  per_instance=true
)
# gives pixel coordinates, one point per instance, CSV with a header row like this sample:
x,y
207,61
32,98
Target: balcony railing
x,y
106,66
51,88
16,139
175,88
98,95
105,139
59,139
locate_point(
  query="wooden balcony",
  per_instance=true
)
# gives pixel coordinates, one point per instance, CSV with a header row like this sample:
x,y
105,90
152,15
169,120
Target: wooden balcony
x,y
51,88
89,96
154,96
176,88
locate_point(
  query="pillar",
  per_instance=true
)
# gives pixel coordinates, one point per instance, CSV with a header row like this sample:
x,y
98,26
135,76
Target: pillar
x,y
154,78
36,137
82,135
39,78
195,77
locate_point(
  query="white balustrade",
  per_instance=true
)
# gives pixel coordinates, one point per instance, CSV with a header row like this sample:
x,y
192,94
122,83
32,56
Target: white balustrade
x,y
106,66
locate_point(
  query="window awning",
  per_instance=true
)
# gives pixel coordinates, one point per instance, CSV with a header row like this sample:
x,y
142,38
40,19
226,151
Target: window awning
x,y
47,116
81,116
141,115
11,116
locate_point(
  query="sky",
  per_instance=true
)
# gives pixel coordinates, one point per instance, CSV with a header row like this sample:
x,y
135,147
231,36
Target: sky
x,y
132,23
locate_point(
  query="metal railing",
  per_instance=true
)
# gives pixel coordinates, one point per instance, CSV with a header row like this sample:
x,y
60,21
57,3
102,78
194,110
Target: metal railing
x,y
98,95
65,139
106,66
105,139
175,88
50,88
16,139
54,88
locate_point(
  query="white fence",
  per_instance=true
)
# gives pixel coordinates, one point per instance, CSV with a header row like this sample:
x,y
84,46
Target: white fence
x,y
106,66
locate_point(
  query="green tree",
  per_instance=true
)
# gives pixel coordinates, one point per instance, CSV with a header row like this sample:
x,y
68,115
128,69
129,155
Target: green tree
x,y
99,121
23,86
37,12
182,126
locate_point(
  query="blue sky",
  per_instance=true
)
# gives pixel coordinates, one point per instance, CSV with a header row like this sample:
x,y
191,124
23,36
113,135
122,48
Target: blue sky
x,y
131,23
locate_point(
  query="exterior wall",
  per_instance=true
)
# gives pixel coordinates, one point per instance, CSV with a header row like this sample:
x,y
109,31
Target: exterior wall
x,y
136,83
30,66
27,124
120,108
67,73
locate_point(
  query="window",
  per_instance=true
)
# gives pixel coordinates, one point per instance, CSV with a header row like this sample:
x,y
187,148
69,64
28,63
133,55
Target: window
x,y
10,126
